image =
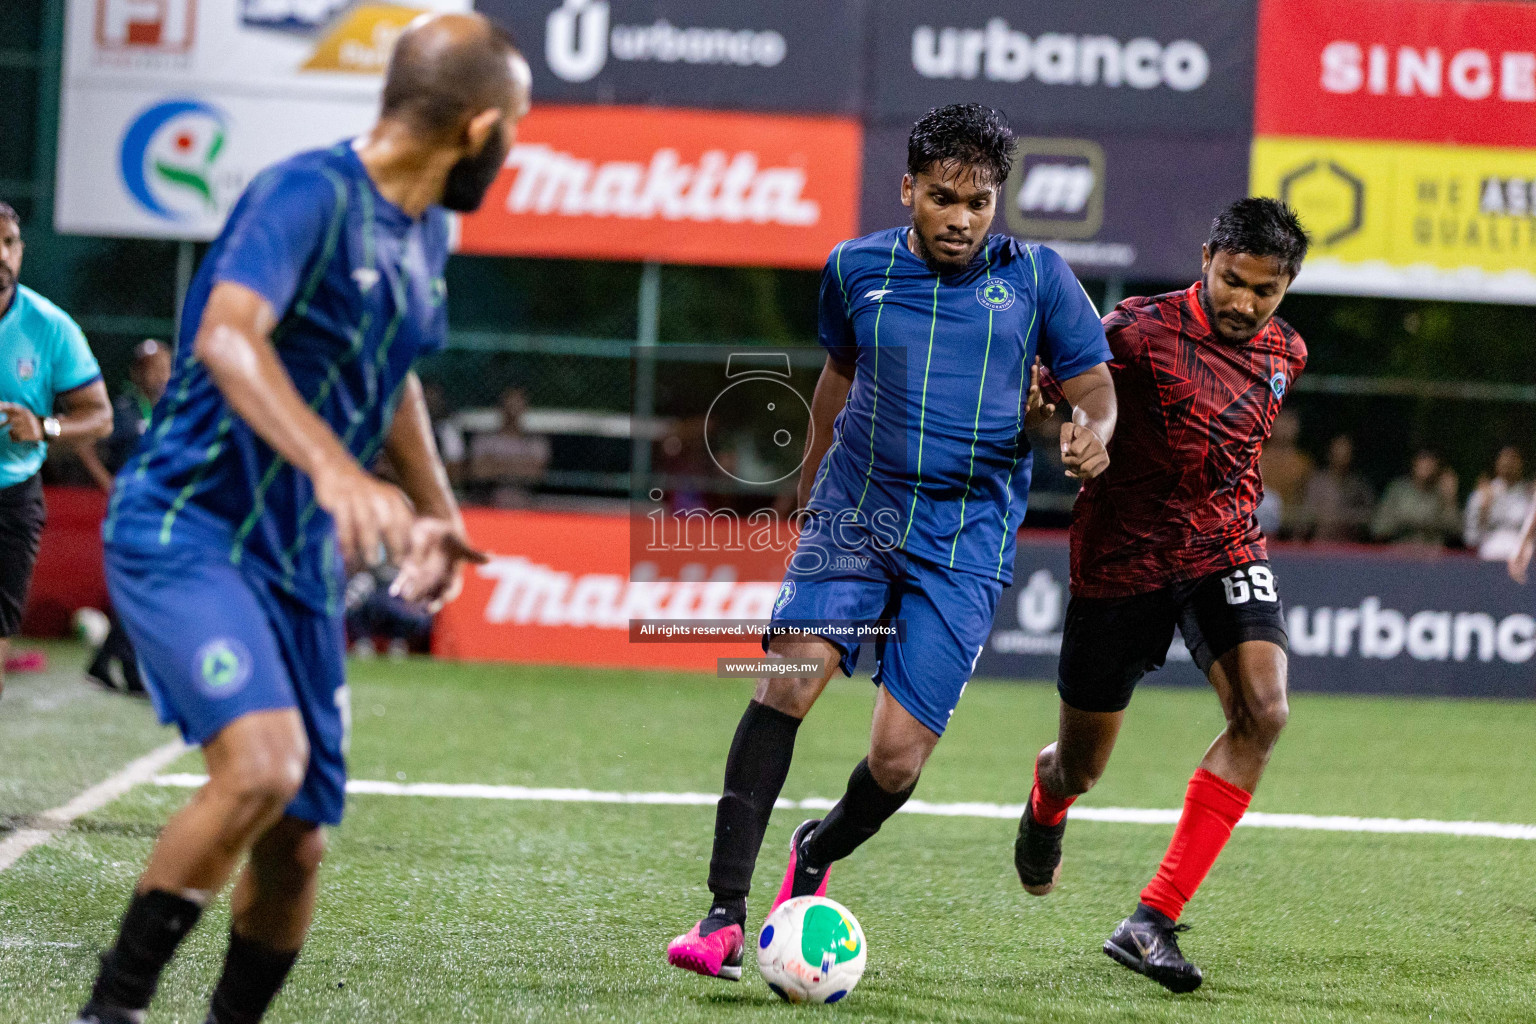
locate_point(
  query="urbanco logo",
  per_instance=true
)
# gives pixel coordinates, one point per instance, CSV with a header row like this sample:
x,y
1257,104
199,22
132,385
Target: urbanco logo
x,y
1000,53
579,38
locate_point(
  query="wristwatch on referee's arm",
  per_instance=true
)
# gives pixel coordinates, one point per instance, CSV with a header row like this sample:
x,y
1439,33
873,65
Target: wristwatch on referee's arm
x,y
52,428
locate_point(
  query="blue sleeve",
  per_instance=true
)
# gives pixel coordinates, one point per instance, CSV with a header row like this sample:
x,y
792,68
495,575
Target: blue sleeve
x,y
73,365
833,328
1071,336
283,221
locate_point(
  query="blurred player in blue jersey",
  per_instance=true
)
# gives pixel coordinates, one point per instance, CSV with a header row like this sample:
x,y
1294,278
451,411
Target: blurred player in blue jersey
x,y
916,476
230,527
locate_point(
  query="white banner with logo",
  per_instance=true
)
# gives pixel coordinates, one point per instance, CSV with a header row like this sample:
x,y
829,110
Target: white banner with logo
x,y
170,107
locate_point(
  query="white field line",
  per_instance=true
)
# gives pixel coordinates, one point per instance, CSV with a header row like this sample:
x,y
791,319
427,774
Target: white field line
x,y
98,796
1117,815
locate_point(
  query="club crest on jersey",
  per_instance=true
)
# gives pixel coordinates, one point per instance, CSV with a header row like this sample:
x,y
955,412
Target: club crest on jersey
x,y
26,368
222,666
786,595
1277,385
995,294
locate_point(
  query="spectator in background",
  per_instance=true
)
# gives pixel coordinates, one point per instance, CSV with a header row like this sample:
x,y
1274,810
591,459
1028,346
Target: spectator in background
x,y
1419,508
450,437
508,463
114,664
148,376
1284,470
1337,503
1498,507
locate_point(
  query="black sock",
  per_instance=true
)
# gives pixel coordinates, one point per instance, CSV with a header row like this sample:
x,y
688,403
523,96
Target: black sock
x,y
857,816
153,927
754,773
253,973
723,913
1147,915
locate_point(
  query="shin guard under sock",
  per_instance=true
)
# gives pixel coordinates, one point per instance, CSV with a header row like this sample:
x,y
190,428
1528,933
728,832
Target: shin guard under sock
x,y
858,815
1212,808
754,774
152,928
253,974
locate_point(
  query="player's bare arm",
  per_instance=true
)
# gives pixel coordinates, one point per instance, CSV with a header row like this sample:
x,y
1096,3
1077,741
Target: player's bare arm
x,y
84,415
234,343
439,547
831,395
1085,438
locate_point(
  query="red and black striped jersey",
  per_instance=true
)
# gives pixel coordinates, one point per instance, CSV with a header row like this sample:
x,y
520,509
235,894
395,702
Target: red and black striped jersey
x,y
1180,496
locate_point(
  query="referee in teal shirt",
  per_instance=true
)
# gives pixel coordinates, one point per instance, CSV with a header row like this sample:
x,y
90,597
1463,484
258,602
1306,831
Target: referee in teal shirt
x,y
50,390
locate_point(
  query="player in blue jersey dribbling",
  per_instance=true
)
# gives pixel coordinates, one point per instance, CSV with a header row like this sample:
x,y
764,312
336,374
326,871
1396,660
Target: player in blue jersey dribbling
x,y
231,526
916,478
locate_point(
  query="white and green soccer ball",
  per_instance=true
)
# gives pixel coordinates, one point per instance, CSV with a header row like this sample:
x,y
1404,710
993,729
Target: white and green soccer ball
x,y
811,950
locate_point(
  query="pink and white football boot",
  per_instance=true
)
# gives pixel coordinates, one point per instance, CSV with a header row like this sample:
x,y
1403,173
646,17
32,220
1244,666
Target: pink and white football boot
x,y
800,878
716,955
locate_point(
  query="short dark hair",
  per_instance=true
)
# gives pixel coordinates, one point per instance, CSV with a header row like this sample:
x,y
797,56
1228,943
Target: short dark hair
x,y
1261,227
434,84
8,212
967,133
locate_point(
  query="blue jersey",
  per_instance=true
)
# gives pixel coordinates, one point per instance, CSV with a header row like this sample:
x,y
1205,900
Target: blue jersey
x,y
358,288
930,450
42,355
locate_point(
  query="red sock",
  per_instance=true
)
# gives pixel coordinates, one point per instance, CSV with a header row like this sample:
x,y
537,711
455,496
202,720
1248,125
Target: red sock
x,y
1044,808
1212,808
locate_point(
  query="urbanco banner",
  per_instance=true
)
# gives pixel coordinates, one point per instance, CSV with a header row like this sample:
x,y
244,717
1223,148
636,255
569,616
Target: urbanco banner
x,y
1360,621
1177,67
768,55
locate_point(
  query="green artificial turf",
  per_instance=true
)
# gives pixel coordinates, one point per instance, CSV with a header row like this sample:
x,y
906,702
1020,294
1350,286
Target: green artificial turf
x,y
439,910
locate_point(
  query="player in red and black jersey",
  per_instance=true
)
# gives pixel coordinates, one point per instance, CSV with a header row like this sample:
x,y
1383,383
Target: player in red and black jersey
x,y
1167,537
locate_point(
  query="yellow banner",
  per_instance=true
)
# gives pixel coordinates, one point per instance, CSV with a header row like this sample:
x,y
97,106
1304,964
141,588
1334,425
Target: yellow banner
x,y
1408,219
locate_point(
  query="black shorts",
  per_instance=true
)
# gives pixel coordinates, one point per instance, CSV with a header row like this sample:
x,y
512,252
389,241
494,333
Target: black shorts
x,y
21,527
1108,644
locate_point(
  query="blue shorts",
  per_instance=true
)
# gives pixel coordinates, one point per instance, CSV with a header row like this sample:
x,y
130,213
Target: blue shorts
x,y
946,617
215,644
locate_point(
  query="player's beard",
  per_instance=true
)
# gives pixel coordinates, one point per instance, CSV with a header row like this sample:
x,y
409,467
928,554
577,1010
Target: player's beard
x,y
1227,328
929,257
471,177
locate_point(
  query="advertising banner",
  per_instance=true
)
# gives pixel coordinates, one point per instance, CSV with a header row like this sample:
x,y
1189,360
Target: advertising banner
x,y
561,589
768,55
1404,132
1113,205
170,107
568,589
1182,67
1360,621
1441,71
679,186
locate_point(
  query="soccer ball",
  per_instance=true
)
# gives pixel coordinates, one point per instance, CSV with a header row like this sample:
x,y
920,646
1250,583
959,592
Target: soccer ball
x,y
811,950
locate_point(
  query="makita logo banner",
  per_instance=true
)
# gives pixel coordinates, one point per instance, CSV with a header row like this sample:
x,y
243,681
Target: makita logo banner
x,y
694,53
720,186
1360,620
1089,64
562,589
679,186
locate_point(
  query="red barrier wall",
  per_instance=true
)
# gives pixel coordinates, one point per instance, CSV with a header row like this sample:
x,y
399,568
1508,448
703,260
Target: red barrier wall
x,y
69,573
